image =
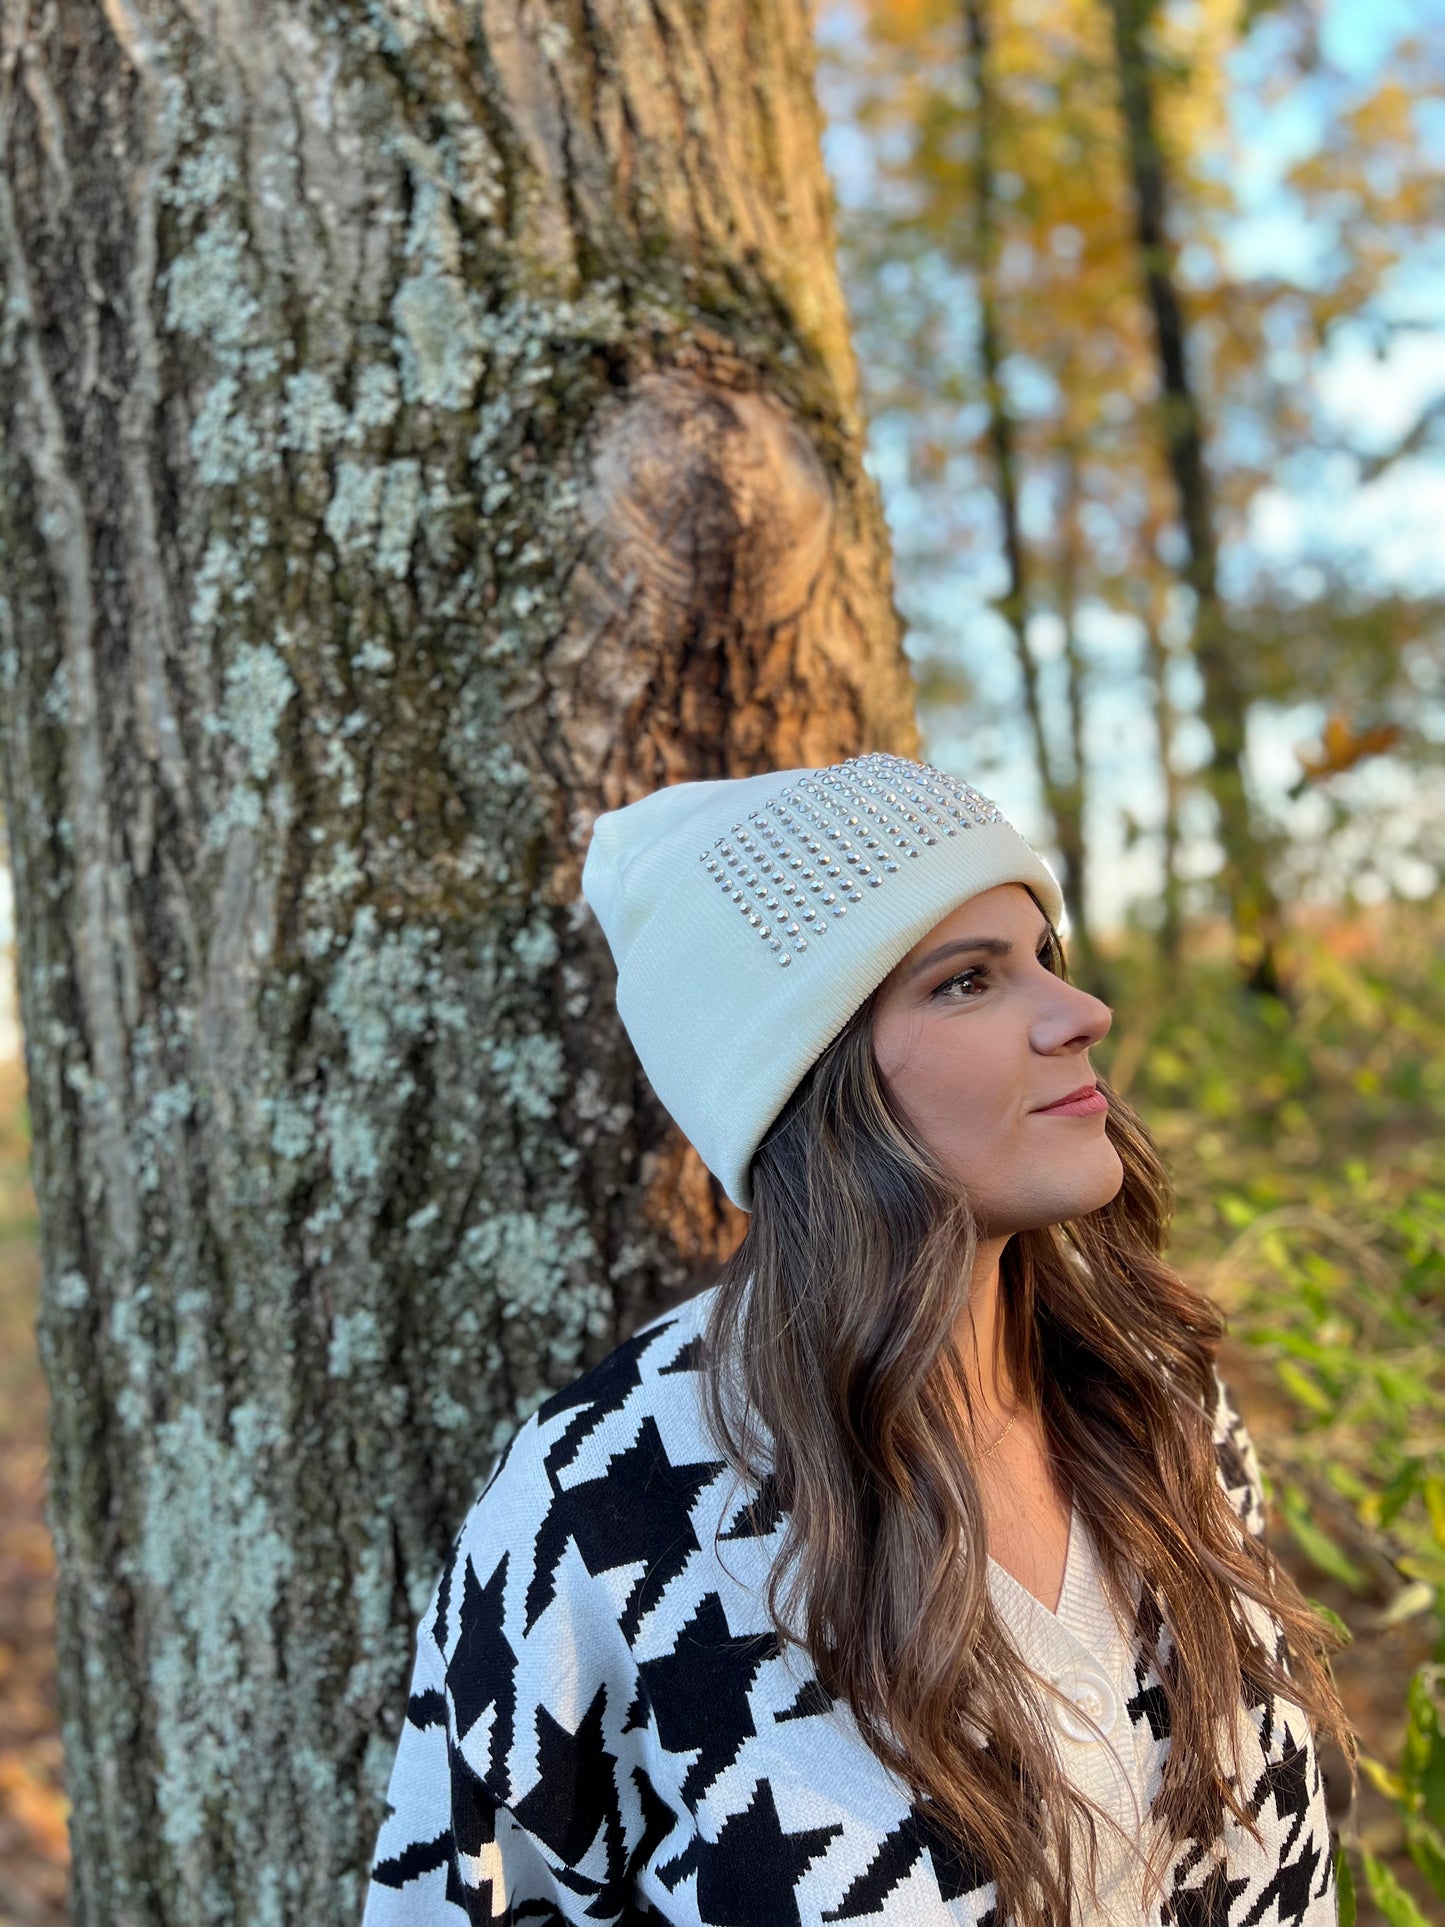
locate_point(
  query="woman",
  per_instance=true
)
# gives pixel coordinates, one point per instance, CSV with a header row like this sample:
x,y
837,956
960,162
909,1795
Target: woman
x,y
913,1571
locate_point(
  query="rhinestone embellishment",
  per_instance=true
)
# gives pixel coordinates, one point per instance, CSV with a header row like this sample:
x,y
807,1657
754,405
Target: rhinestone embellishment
x,y
801,859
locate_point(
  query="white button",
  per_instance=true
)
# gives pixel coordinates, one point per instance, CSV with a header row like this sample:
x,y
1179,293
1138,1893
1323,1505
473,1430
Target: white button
x,y
1090,1708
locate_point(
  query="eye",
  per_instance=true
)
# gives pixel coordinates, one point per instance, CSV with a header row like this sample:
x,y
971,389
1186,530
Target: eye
x,y
978,974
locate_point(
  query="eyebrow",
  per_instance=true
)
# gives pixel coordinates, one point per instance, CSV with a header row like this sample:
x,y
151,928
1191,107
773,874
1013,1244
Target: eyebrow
x,y
994,946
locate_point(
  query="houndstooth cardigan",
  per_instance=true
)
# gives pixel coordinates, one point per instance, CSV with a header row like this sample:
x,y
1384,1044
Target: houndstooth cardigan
x,y
603,1726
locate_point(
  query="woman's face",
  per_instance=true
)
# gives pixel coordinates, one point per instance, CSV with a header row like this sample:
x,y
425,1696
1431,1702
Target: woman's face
x,y
973,1040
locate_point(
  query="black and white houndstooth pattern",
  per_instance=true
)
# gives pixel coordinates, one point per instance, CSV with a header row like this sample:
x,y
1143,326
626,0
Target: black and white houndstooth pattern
x,y
602,1726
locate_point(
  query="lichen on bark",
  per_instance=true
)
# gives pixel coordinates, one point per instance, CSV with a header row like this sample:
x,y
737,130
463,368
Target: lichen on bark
x,y
423,428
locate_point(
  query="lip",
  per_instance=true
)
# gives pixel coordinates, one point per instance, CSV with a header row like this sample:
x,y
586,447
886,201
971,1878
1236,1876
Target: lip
x,y
1087,1101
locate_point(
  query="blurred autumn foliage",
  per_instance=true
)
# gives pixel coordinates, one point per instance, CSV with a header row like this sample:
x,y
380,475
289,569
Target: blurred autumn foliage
x,y
1305,1145
1342,748
33,1854
1119,273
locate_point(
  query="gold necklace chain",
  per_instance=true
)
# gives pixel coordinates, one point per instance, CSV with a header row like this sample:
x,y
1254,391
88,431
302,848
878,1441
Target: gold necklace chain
x,y
1000,1439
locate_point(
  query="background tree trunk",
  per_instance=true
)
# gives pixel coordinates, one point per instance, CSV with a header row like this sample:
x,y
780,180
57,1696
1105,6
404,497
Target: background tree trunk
x,y
422,428
1170,925
1088,964
1245,881
1015,605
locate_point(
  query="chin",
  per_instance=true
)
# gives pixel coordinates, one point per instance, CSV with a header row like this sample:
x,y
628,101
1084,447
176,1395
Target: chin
x,y
1090,1192
1110,1184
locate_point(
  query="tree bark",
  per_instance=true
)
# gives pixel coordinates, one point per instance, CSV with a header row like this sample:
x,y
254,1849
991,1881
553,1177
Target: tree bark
x,y
1073,841
1170,927
1245,881
423,427
1015,604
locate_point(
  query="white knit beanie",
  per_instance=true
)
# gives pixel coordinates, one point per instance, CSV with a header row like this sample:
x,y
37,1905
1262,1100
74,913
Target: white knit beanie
x,y
749,919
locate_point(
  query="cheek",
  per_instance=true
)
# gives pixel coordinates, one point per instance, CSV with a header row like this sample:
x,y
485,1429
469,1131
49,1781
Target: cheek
x,y
957,1091
895,1047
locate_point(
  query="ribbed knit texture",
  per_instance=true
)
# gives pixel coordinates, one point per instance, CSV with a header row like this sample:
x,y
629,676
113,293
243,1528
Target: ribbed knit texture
x,y
602,1727
1080,1646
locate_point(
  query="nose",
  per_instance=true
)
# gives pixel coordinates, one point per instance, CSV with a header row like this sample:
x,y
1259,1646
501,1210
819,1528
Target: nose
x,y
1079,1019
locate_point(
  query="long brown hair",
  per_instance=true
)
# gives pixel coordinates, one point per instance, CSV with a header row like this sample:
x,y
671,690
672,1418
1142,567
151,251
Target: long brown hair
x,y
832,1326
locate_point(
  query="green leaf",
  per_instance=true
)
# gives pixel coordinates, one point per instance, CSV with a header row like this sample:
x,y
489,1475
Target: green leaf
x,y
1332,1620
1409,1602
1302,1387
1399,1490
1382,1779
1400,1385
1435,1506
1315,1543
1276,1252
1347,1482
1423,1764
1345,1882
1427,1850
1388,1895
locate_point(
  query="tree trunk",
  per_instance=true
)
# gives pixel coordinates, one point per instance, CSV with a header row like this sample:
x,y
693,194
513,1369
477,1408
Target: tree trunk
x,y
423,427
1245,881
1170,927
1015,604
1073,841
